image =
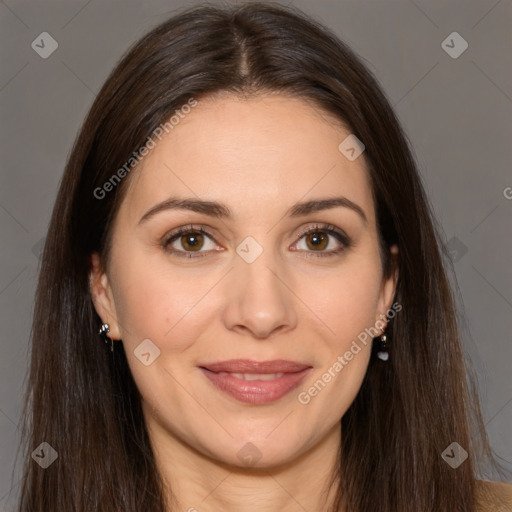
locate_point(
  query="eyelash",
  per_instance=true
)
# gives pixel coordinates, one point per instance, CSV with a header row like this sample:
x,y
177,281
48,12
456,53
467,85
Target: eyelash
x,y
325,228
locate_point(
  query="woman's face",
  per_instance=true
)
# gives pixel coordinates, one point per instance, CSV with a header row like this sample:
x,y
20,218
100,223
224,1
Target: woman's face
x,y
254,286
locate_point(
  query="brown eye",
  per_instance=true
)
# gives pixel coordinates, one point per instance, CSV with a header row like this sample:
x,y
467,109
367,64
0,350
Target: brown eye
x,y
192,241
188,240
317,240
322,241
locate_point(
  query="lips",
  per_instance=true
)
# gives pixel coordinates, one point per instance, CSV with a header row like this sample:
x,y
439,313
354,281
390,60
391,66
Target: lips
x,y
250,366
255,382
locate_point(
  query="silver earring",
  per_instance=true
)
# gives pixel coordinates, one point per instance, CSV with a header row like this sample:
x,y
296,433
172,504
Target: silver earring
x,y
103,332
383,354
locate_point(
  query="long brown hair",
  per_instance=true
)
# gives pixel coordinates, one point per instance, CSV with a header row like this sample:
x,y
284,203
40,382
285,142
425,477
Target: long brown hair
x,y
83,401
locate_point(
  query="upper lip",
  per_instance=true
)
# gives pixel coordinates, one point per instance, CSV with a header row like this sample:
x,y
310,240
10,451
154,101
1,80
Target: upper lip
x,y
250,366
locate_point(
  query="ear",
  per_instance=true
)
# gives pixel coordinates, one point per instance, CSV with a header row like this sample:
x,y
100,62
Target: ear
x,y
102,297
388,289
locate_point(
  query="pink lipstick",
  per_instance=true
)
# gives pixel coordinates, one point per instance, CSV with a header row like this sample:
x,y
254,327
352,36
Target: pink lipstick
x,y
255,382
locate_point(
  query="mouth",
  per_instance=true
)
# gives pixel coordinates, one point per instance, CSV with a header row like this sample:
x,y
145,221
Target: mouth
x,y
255,382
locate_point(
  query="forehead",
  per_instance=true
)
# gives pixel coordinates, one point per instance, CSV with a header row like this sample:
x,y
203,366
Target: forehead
x,y
259,154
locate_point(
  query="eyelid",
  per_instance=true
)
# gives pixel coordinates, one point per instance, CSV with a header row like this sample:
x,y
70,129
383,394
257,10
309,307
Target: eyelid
x,y
331,230
321,227
199,228
176,233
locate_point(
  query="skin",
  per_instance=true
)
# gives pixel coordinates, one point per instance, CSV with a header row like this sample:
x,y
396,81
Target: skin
x,y
258,156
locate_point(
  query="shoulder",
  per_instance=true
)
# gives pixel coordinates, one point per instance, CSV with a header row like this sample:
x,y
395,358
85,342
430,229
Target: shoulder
x,y
493,496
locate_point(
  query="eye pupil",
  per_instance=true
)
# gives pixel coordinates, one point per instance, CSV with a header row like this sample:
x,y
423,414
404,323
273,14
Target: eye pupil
x,y
191,241
317,240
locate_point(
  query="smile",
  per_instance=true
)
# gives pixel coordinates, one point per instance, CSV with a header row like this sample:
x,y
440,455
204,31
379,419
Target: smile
x,y
255,387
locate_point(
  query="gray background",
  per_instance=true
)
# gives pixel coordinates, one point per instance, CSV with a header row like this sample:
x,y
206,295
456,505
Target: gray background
x,y
456,112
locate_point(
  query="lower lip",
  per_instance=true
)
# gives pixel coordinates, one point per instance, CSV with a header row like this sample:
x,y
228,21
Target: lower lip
x,y
256,391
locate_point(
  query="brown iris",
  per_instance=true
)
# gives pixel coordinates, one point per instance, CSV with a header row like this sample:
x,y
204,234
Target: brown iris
x,y
192,241
317,240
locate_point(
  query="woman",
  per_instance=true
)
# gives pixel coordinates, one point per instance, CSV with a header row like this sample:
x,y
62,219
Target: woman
x,y
242,222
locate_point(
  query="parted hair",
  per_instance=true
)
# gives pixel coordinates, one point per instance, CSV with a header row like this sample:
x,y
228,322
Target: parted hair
x,y
82,399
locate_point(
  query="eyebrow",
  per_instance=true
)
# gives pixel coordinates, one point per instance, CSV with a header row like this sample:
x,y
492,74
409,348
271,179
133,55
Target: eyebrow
x,y
222,211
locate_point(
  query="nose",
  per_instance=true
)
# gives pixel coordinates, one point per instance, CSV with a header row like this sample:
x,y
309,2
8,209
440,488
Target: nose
x,y
259,300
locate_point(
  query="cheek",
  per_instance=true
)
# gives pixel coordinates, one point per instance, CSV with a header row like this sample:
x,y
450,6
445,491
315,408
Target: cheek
x,y
156,304
347,302
347,305
156,301
153,302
